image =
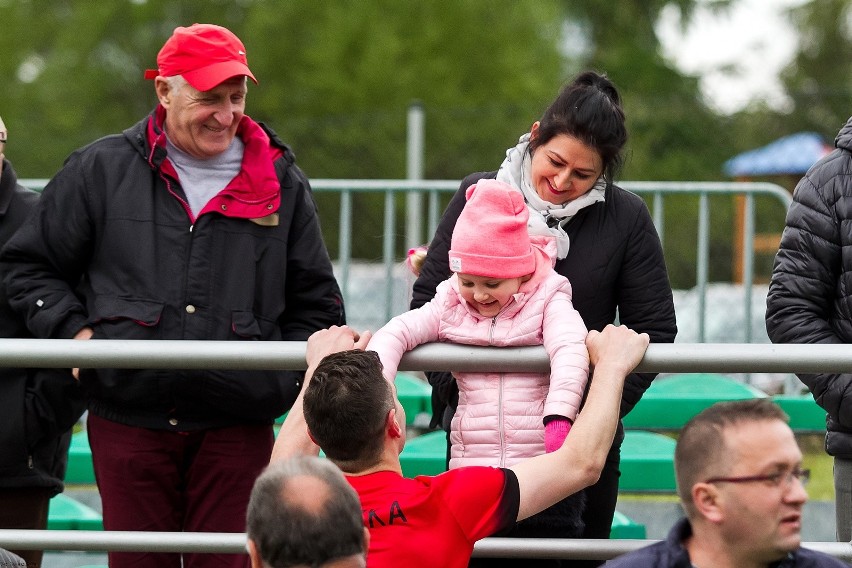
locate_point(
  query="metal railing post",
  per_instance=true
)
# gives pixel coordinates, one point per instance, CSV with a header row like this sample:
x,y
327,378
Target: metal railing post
x,y
414,171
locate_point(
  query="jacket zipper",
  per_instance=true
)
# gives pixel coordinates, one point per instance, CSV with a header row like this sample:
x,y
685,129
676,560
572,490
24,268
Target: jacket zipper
x,y
500,429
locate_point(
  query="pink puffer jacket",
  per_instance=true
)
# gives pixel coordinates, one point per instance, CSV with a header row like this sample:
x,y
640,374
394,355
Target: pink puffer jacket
x,y
499,417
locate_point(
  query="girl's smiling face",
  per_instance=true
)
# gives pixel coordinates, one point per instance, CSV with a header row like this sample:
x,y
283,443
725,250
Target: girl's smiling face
x,y
488,295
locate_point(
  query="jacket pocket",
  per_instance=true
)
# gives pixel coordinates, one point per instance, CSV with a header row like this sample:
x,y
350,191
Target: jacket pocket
x,y
126,318
246,325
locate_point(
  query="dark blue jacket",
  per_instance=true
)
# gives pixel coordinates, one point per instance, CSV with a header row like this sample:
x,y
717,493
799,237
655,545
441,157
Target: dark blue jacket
x,y
670,553
38,407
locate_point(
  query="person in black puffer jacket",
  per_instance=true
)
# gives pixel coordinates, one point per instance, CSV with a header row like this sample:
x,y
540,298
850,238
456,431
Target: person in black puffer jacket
x,y
810,298
38,407
608,249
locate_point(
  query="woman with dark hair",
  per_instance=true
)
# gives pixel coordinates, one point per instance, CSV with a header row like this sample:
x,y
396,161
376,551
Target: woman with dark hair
x,y
608,249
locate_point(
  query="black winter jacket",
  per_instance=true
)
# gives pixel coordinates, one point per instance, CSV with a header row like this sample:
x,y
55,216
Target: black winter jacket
x,y
114,246
810,294
38,407
670,553
615,266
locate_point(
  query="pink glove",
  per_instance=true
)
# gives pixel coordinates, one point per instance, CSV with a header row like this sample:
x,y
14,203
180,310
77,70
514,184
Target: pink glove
x,y
555,433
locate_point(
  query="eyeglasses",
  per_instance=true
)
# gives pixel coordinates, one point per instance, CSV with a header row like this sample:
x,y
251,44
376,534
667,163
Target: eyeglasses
x,y
773,479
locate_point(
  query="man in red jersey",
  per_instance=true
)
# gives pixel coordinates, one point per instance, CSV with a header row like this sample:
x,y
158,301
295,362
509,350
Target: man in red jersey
x,y
353,414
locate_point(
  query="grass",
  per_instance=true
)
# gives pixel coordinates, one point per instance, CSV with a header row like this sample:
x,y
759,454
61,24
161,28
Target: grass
x,y
821,485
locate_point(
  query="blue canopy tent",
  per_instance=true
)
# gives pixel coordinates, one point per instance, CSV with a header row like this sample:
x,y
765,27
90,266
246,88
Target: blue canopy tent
x,y
790,157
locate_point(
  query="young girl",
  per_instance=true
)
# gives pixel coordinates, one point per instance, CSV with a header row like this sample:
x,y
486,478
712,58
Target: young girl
x,y
504,292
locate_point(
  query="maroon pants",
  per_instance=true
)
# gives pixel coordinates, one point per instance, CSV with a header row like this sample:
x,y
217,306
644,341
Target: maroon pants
x,y
158,480
25,508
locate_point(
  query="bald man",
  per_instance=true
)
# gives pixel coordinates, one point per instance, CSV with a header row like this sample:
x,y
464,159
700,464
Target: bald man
x,y
302,511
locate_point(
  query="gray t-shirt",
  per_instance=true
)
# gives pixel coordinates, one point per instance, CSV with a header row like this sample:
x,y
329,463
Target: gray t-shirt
x,y
202,179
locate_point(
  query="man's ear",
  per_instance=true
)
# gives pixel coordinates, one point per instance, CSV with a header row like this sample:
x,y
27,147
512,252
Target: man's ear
x,y
311,436
392,424
164,95
254,555
709,502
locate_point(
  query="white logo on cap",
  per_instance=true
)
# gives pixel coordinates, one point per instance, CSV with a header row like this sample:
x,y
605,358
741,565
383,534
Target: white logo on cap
x,y
455,264
241,52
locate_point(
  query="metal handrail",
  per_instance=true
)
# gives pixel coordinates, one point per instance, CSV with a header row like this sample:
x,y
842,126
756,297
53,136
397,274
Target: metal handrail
x,y
235,543
263,355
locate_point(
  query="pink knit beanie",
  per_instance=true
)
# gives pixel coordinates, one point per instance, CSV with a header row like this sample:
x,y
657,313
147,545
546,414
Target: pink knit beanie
x,y
490,237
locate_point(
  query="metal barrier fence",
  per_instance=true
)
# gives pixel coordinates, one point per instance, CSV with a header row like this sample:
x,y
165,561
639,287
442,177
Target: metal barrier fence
x,y
392,292
225,543
261,355
704,357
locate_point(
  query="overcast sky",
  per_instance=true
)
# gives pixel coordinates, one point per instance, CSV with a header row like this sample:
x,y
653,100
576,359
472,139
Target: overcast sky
x,y
754,39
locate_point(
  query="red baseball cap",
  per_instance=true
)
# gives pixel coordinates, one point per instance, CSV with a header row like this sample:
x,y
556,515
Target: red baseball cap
x,y
205,54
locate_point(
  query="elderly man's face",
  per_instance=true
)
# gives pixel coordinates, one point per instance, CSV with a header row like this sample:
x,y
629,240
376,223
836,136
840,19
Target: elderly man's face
x,y
203,123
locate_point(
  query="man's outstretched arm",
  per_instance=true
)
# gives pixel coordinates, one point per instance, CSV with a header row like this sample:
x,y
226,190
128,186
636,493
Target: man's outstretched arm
x,y
549,478
293,439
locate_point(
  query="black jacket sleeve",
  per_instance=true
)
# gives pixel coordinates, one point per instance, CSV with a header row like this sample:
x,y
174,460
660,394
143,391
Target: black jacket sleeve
x,y
644,297
43,261
314,300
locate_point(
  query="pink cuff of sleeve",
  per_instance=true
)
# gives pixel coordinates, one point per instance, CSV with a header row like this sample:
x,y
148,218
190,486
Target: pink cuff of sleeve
x,y
555,433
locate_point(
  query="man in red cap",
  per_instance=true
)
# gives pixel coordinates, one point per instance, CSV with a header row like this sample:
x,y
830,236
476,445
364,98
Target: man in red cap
x,y
193,224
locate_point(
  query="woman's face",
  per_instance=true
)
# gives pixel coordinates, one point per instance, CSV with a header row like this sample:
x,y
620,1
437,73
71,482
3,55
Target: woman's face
x,y
564,168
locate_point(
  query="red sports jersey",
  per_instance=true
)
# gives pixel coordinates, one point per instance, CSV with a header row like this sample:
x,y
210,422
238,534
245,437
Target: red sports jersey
x,y
434,521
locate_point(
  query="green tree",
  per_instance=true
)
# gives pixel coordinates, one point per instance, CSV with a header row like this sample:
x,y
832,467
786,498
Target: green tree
x,y
819,79
340,80
337,84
